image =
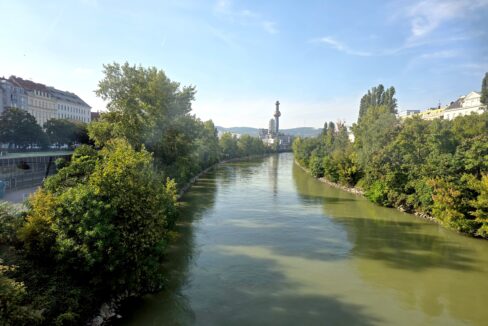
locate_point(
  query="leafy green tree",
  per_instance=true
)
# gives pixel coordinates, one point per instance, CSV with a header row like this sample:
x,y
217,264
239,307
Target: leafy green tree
x,y
14,307
373,131
101,224
65,132
484,90
228,145
376,97
19,129
145,103
207,145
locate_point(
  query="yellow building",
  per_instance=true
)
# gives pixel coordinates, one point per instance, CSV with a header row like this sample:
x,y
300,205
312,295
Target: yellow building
x,y
40,103
432,114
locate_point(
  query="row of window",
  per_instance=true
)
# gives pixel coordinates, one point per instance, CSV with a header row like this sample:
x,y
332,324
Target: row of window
x,y
73,109
42,104
39,93
72,117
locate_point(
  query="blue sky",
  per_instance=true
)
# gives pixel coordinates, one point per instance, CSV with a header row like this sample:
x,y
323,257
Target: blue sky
x,y
316,57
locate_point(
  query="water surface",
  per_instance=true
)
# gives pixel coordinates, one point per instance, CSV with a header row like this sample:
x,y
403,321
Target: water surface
x,y
261,242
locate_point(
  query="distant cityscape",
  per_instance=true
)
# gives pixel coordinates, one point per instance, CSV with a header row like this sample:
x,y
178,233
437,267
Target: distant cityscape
x,y
41,101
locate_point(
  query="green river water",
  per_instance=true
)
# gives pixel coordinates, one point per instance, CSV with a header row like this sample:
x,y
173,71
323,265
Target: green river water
x,y
263,243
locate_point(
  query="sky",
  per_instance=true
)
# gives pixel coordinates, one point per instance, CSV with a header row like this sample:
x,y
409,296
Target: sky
x,y
316,57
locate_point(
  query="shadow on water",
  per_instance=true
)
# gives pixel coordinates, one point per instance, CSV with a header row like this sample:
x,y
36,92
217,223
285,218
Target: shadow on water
x,y
257,248
239,296
211,286
384,234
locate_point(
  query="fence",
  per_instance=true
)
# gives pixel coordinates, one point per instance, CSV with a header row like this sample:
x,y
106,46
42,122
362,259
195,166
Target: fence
x,y
27,171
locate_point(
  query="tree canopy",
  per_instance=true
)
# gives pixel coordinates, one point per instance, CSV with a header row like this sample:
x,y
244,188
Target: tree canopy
x,y
376,97
19,129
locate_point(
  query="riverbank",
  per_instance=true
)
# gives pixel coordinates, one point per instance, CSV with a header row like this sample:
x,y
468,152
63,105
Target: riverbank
x,y
360,192
111,310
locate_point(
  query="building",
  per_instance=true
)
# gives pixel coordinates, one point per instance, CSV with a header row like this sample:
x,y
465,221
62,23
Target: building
x,y
12,96
1,100
431,114
272,135
407,113
43,102
465,105
95,116
71,107
271,126
40,102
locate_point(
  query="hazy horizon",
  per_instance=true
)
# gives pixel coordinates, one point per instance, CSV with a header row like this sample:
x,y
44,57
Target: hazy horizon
x,y
317,59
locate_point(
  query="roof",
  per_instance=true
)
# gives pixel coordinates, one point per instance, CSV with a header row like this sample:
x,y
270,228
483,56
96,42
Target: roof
x,y
456,104
66,96
27,84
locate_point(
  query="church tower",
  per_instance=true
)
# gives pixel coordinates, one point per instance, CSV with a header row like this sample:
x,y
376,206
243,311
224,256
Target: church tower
x,y
277,116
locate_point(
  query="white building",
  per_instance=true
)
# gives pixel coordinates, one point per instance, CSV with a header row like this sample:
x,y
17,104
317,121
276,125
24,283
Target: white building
x,y
71,107
465,105
407,113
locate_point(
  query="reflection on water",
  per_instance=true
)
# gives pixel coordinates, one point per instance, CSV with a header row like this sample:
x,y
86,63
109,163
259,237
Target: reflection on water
x,y
261,242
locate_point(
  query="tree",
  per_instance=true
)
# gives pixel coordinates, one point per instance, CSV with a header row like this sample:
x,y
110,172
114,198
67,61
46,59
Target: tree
x,y
228,145
373,131
100,228
19,128
144,103
484,90
376,97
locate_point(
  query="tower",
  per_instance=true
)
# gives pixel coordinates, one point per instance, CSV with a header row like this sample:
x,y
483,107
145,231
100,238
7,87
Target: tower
x,y
277,116
271,126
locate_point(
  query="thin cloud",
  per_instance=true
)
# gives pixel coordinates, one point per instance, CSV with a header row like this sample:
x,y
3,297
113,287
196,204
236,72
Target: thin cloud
x,y
339,46
444,54
225,8
270,27
428,15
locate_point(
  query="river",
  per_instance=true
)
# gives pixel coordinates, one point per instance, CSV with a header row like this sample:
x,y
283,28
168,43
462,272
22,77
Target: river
x,y
261,242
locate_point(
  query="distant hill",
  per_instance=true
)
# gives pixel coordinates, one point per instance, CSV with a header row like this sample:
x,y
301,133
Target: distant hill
x,y
301,131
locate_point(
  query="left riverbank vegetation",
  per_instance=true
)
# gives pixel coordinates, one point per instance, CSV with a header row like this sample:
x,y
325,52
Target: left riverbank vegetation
x,y
19,131
97,230
437,167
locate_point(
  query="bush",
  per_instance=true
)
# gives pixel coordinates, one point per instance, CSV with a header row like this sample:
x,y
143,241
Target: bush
x,y
10,221
377,193
13,297
315,166
101,229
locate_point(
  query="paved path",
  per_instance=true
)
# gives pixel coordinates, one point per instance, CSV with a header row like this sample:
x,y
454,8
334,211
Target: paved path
x,y
18,196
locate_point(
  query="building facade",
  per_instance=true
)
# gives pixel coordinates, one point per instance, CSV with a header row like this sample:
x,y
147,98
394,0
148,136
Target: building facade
x,y
40,102
407,113
71,107
465,105
43,102
12,96
432,114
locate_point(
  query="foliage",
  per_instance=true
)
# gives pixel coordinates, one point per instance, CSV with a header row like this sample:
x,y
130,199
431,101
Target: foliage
x,y
376,97
14,309
10,220
484,90
19,129
99,227
438,167
65,132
